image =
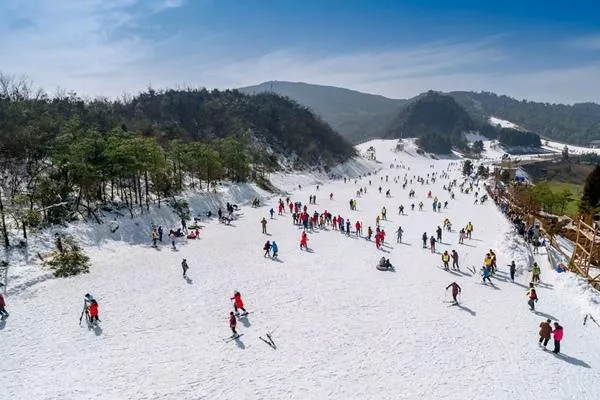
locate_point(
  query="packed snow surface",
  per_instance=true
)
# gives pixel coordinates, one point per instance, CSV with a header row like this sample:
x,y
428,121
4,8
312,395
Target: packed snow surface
x,y
342,329
503,123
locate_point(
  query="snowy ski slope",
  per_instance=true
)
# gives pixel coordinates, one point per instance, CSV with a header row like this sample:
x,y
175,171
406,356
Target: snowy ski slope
x,y
343,329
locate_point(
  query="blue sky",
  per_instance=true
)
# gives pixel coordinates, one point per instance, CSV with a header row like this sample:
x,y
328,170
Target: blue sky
x,y
539,50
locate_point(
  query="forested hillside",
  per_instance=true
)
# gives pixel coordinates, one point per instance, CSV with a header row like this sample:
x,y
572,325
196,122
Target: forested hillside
x,y
576,124
61,154
361,116
356,116
436,119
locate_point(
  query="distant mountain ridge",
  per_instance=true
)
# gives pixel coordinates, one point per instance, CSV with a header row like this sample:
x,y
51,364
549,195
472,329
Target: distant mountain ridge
x,y
355,115
361,116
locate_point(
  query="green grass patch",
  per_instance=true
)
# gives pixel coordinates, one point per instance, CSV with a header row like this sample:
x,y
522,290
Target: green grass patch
x,y
572,208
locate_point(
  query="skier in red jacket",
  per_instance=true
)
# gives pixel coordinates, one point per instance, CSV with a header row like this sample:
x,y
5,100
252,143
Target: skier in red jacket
x,y
93,311
304,241
238,303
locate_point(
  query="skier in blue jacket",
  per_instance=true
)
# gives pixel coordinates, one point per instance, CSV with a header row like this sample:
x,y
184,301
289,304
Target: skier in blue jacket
x,y
274,249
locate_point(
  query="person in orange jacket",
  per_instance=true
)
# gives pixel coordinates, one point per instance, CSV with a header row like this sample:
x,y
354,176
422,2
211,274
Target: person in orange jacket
x,y
93,311
238,303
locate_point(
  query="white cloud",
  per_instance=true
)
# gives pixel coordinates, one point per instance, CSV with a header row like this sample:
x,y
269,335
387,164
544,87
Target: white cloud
x,y
590,42
166,4
91,46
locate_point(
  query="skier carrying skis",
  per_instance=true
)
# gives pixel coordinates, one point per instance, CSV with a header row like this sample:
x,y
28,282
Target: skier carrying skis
x,y
446,259
532,295
455,291
267,249
238,303
185,267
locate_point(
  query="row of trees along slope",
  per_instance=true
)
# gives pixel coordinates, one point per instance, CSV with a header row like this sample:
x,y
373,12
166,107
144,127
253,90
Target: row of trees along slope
x,y
62,157
439,123
578,123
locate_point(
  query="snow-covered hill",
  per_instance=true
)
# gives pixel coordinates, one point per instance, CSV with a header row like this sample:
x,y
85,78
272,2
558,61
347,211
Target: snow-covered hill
x,y
343,329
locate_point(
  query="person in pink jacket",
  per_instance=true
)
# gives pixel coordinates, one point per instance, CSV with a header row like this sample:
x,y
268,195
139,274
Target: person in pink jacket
x,y
558,335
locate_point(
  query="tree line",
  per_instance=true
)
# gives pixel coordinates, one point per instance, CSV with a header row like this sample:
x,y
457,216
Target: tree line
x,y
63,157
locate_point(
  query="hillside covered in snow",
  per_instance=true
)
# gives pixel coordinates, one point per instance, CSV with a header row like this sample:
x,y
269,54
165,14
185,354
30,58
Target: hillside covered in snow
x,y
340,328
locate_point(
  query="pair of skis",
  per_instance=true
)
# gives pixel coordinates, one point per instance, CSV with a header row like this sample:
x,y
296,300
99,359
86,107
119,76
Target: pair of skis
x,y
232,338
590,316
269,342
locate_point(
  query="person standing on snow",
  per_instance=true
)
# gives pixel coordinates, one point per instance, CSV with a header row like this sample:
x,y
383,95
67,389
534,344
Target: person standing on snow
x,y
369,233
469,229
532,295
184,267
304,241
267,249
545,331
455,260
160,233
383,213
432,244
424,238
446,259
535,273
172,238
154,236
512,268
485,274
275,249
232,324
238,304
93,312
455,290
558,336
461,236
272,212
3,313
358,227
399,233
439,234
263,222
